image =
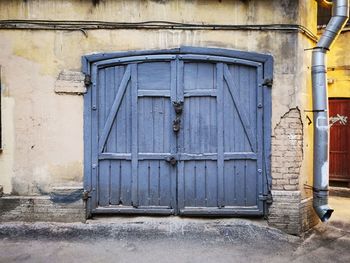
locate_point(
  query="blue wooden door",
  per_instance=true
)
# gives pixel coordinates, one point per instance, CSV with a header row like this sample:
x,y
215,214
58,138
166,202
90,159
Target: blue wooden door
x,y
135,138
220,146
176,134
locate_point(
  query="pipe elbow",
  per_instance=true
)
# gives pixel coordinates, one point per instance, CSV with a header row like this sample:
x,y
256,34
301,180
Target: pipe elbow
x,y
324,212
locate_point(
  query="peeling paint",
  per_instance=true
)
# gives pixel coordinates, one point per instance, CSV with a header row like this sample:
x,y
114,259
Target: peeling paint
x,y
324,175
322,123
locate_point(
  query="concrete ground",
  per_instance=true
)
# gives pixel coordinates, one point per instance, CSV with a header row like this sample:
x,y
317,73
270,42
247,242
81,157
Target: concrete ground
x,y
145,239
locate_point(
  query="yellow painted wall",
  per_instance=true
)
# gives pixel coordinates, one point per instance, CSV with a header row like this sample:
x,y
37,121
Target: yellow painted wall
x,y
339,67
43,131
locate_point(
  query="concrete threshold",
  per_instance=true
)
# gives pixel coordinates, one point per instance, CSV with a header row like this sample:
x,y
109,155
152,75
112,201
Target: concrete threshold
x,y
339,191
150,228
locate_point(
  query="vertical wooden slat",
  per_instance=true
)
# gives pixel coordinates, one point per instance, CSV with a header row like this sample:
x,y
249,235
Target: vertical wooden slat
x,y
134,135
220,130
230,185
104,166
153,182
260,176
88,141
179,92
200,184
211,184
126,183
114,184
166,180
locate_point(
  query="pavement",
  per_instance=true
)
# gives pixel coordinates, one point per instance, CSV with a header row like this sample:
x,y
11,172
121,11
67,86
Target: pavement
x,y
174,239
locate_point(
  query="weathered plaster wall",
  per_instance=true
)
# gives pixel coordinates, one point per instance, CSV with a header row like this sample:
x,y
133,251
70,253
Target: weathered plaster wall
x,y
44,129
210,11
339,67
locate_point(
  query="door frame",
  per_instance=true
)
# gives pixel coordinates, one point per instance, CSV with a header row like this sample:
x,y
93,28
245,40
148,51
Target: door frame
x,y
90,63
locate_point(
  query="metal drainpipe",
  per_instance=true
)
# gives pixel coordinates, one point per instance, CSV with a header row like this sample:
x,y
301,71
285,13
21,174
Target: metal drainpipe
x,y
340,14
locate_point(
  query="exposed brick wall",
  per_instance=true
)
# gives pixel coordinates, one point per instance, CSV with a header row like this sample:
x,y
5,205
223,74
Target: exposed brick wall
x,y
284,212
288,211
308,214
287,152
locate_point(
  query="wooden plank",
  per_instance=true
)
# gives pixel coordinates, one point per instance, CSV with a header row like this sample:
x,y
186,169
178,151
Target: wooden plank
x,y
131,210
94,139
189,183
111,143
114,156
121,122
183,156
166,181
220,131
252,183
134,135
211,183
230,185
260,176
200,93
115,182
178,142
125,183
220,59
88,142
104,183
154,187
153,93
158,122
227,211
143,182
243,117
114,110
173,143
240,182
132,59
181,184
201,184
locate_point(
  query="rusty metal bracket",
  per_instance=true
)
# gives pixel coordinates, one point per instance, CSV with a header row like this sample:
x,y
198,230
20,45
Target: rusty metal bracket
x,y
178,106
268,82
86,195
87,80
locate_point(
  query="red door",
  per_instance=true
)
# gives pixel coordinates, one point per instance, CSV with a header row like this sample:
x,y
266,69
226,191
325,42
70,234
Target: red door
x,y
339,115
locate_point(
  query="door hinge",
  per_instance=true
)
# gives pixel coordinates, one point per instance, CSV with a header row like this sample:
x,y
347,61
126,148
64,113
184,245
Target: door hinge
x,y
87,80
266,197
268,82
86,195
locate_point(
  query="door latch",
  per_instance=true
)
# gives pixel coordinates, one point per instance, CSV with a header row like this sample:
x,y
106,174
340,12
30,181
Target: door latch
x,y
178,106
176,124
172,160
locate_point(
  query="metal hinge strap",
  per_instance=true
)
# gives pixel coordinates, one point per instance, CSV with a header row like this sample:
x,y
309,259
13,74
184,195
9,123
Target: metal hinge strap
x,y
86,195
268,82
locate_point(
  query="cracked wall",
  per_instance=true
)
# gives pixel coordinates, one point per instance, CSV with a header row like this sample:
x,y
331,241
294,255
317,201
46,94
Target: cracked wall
x,y
287,151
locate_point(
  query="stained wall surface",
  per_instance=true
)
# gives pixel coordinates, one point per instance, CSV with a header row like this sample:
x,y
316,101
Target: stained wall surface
x,y
43,127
